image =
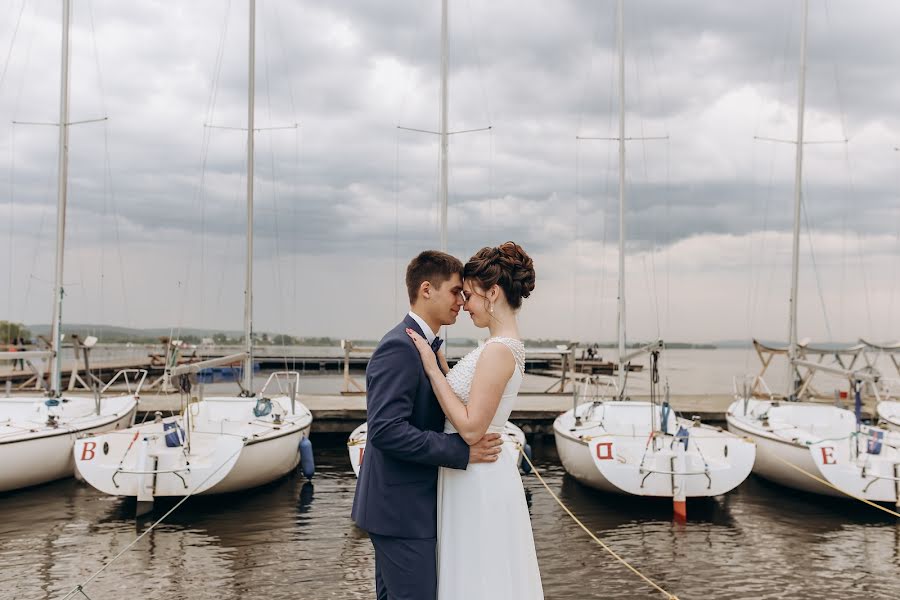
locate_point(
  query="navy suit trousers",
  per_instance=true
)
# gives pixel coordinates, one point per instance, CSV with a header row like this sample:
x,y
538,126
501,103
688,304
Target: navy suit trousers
x,y
405,568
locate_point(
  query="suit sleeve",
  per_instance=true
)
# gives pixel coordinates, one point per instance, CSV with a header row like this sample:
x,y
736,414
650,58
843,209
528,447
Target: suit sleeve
x,y
392,379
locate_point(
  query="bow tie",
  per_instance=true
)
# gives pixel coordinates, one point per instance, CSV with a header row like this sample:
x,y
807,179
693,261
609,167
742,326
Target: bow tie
x,y
436,344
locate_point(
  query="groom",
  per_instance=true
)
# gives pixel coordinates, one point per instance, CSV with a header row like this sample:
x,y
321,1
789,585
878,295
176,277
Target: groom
x,y
396,494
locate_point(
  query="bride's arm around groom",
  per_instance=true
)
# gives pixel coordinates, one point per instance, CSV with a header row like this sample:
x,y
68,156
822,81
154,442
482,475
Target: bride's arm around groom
x,y
394,379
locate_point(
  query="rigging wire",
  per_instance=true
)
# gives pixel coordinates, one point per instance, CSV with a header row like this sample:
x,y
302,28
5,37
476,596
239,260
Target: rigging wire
x,y
396,277
491,183
756,270
668,230
12,43
812,255
579,128
11,230
575,246
50,174
276,267
108,186
605,199
295,180
199,190
12,171
404,98
896,264
846,207
652,284
474,36
851,185
473,39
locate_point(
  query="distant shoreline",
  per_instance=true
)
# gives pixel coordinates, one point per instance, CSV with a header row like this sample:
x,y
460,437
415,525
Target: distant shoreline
x,y
109,334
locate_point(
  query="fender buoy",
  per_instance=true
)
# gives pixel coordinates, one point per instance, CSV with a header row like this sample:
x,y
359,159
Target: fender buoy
x,y
307,462
526,466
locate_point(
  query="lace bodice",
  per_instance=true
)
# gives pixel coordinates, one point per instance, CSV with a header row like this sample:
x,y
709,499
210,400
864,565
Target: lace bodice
x,y
461,375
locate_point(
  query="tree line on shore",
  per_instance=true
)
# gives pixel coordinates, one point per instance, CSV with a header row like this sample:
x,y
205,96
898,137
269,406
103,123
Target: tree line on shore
x,y
11,332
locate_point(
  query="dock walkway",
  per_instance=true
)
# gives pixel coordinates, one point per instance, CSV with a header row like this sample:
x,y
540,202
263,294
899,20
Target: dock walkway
x,y
534,413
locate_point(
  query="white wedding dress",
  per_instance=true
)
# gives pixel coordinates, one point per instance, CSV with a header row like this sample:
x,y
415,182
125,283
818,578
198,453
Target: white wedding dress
x,y
484,542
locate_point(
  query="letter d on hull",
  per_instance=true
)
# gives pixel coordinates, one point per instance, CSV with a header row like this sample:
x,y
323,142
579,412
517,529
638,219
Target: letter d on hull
x,y
604,451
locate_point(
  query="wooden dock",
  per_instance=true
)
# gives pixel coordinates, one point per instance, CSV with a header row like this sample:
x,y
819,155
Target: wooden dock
x,y
534,413
350,361
342,407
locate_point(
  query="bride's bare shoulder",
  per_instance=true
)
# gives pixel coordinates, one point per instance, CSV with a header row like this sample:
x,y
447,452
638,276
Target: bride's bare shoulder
x,y
497,356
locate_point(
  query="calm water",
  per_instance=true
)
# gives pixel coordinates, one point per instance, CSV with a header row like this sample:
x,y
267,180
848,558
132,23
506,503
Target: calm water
x,y
295,540
688,371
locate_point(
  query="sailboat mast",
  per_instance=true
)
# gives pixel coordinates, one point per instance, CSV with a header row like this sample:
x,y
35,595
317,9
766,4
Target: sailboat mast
x,y
442,194
248,285
798,192
63,174
620,322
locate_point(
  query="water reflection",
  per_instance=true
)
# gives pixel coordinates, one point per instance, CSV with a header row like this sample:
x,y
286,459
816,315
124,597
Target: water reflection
x,y
295,539
761,541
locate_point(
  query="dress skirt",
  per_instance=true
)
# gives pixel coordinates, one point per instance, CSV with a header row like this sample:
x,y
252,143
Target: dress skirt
x,y
485,545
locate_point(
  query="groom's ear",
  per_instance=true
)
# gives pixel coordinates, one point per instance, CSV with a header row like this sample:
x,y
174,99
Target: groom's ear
x,y
425,289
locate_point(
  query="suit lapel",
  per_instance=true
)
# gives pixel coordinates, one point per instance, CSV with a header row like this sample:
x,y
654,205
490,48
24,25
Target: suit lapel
x,y
413,324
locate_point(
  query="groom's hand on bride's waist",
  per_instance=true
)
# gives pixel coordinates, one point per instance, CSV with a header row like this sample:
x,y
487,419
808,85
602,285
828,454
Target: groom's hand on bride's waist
x,y
486,450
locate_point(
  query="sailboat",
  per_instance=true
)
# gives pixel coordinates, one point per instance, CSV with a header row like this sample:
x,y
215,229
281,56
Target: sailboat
x,y
889,414
220,443
888,406
801,442
356,443
613,444
37,435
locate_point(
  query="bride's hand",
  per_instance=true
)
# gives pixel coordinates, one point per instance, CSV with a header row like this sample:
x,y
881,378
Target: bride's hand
x,y
428,358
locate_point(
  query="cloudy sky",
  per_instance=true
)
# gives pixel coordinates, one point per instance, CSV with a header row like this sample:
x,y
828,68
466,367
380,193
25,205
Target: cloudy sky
x,y
157,205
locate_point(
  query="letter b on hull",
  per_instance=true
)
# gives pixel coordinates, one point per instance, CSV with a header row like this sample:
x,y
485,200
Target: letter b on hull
x,y
87,450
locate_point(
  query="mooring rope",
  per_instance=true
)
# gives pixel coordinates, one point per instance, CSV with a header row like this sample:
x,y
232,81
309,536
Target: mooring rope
x,y
834,487
80,587
588,531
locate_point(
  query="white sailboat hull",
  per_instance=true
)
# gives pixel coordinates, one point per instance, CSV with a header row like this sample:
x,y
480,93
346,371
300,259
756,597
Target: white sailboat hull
x,y
861,468
230,450
889,414
784,437
32,452
356,443
264,461
610,450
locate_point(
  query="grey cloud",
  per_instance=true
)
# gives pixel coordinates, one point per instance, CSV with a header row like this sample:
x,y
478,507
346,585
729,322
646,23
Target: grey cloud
x,y
523,67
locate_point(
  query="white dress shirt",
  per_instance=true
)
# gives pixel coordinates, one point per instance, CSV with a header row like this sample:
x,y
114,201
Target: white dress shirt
x,y
429,334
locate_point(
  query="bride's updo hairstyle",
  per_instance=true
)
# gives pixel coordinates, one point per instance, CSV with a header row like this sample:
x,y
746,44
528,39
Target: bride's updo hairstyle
x,y
508,266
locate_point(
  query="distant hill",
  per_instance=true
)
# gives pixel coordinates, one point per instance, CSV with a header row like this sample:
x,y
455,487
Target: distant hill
x,y
115,334
109,332
733,343
782,344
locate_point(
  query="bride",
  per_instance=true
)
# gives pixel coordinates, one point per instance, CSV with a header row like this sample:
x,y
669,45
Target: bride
x,y
484,542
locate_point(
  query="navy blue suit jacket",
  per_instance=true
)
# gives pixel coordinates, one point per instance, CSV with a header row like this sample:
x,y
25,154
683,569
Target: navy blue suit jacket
x,y
396,493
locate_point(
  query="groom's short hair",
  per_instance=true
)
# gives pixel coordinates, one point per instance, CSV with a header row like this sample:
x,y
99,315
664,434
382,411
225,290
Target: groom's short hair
x,y
433,266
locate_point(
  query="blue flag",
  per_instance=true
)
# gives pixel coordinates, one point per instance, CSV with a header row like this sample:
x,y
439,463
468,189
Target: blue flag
x,y
873,444
682,436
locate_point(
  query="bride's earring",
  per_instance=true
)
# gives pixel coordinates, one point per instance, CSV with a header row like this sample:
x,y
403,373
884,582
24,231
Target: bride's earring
x,y
492,308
